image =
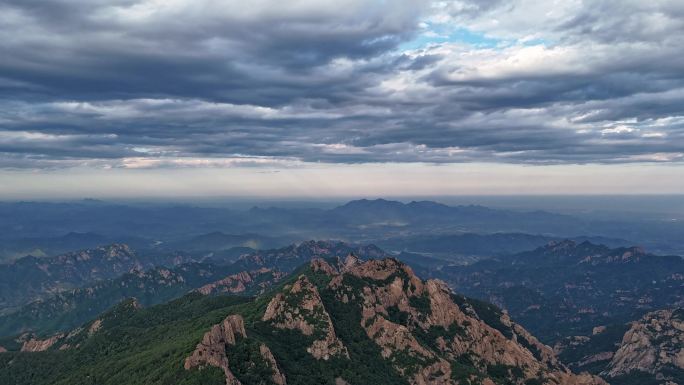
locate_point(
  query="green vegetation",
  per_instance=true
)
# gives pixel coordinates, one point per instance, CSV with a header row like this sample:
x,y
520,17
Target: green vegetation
x,y
133,347
463,368
487,312
607,341
429,337
397,316
675,375
504,374
247,364
528,345
421,304
67,310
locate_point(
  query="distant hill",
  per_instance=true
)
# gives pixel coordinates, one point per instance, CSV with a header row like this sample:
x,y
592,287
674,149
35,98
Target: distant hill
x,y
218,241
89,294
68,309
567,288
290,257
454,246
31,278
15,248
355,221
646,351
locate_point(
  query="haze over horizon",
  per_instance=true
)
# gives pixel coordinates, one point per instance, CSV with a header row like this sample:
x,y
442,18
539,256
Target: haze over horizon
x,y
347,98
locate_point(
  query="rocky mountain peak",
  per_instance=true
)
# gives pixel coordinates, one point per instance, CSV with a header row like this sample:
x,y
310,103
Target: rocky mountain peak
x,y
422,331
291,257
211,350
300,307
349,262
117,249
256,281
561,245
619,255
652,344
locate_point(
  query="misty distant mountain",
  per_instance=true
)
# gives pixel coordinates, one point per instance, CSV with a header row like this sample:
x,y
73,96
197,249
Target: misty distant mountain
x,y
219,241
79,285
356,221
69,308
290,257
11,249
455,246
32,278
568,288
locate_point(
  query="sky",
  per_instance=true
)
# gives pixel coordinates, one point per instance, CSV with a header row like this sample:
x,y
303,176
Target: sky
x,y
126,98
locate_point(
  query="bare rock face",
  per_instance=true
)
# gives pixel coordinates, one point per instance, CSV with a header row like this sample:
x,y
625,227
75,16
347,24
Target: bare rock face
x,y
2,349
349,262
241,282
652,343
301,307
278,377
318,264
38,345
94,327
398,307
212,350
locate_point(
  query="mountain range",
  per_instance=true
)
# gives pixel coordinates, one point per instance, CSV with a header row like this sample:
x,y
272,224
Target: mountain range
x,y
50,308
31,278
42,224
341,321
567,288
582,298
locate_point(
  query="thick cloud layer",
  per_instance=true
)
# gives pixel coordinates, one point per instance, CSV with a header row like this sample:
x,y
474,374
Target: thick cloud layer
x,y
150,83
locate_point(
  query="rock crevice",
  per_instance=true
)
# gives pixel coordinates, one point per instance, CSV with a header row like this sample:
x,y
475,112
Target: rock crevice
x,y
211,350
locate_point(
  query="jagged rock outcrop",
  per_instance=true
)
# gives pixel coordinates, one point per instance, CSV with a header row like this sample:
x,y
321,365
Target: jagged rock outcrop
x,y
94,327
33,344
318,264
28,279
300,307
278,377
212,350
349,261
290,257
243,281
30,342
422,330
425,332
653,343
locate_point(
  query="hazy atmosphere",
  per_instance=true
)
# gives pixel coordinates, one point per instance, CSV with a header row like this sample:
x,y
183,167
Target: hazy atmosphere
x,y
120,97
348,192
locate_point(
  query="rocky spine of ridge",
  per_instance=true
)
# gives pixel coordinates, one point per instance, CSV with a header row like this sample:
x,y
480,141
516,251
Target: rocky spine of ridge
x,y
63,341
423,332
587,253
33,344
242,282
654,342
300,307
212,350
29,278
290,257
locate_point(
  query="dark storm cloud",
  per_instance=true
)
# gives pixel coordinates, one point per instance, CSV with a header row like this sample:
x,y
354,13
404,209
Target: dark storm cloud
x,y
121,82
